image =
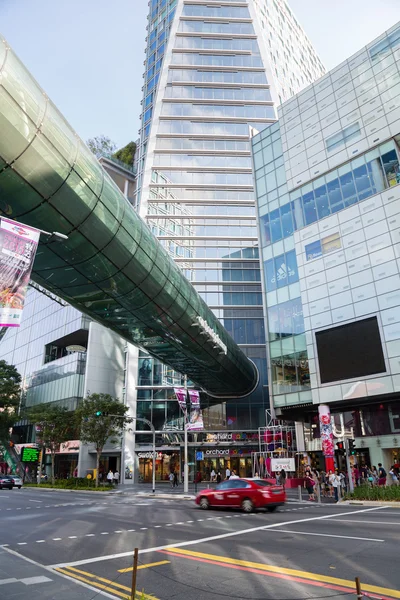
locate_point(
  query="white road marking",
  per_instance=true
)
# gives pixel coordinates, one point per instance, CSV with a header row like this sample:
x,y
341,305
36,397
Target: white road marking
x,y
369,522
342,537
35,580
118,531
143,528
89,535
22,543
186,522
104,533
40,541
155,527
56,539
169,525
5,581
134,530
72,537
50,570
41,501
213,538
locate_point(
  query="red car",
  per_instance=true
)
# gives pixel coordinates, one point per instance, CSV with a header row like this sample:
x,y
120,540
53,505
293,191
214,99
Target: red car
x,y
247,494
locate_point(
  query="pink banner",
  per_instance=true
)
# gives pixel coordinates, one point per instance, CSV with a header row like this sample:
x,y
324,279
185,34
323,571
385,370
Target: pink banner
x,y
180,394
325,425
18,244
196,416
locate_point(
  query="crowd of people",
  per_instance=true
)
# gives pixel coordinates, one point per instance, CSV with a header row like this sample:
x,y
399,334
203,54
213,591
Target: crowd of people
x,y
333,484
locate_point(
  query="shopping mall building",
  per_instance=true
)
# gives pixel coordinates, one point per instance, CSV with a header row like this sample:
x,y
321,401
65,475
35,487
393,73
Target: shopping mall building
x,y
328,195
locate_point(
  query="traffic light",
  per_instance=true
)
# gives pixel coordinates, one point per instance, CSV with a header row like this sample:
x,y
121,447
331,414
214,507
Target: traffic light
x,y
98,413
340,447
352,447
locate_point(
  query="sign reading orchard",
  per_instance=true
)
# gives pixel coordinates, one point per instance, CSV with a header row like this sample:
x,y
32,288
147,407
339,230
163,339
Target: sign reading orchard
x,y
18,244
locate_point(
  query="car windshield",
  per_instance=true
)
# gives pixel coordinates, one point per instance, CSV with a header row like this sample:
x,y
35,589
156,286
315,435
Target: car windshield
x,y
262,482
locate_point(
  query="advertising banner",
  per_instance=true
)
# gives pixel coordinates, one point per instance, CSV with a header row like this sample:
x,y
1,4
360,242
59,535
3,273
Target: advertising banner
x,y
180,394
18,245
277,464
196,416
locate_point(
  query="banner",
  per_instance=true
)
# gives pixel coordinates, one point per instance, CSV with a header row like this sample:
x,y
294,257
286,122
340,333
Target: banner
x,y
18,245
196,416
277,464
180,394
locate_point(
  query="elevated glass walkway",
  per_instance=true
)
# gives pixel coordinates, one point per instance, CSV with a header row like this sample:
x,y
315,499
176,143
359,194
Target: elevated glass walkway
x,y
111,267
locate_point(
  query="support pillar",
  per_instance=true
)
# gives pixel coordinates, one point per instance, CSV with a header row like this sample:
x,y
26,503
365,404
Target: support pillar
x,y
325,425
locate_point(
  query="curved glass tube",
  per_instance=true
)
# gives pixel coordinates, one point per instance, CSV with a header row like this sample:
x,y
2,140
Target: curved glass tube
x,y
111,267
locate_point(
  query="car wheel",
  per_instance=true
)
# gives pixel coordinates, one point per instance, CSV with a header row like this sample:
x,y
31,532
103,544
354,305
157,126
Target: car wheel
x,y
271,508
247,506
19,487
204,503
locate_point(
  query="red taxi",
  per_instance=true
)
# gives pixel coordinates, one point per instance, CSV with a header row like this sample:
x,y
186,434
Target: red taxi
x,y
247,494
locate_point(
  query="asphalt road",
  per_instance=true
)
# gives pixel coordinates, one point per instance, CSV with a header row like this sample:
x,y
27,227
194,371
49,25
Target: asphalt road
x,y
80,546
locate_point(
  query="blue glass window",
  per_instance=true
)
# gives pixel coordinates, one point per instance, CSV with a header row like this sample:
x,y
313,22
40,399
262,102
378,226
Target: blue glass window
x,y
335,196
265,231
322,202
362,182
275,226
313,250
348,189
270,279
310,212
286,220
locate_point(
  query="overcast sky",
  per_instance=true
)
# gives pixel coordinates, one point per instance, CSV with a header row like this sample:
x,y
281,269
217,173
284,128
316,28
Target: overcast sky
x,y
88,54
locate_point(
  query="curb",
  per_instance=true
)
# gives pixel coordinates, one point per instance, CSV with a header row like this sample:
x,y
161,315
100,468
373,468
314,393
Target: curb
x,y
42,489
165,496
387,503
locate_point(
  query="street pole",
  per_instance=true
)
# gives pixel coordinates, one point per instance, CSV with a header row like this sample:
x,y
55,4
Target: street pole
x,y
185,459
154,459
349,474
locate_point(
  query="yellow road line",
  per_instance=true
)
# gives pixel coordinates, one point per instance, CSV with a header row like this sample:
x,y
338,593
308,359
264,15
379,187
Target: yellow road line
x,y
93,583
291,572
67,571
155,564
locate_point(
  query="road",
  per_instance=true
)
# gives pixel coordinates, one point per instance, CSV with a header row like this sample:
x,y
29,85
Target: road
x,y
69,546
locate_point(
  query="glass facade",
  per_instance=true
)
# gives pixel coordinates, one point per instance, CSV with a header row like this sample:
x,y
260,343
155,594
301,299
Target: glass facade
x,y
328,195
196,182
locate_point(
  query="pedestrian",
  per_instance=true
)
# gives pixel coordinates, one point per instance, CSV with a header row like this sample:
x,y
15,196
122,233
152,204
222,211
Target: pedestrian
x,y
394,476
309,484
219,478
227,473
171,479
234,476
343,482
381,475
110,477
330,483
213,475
116,477
335,482
175,479
282,478
322,482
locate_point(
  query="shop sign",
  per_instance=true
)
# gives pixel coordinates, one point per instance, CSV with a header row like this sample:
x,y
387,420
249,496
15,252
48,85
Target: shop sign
x,y
199,455
159,455
70,447
232,436
225,452
288,464
211,333
217,452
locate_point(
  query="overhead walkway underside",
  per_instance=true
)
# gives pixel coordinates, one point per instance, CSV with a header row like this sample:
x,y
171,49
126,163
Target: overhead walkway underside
x,y
111,267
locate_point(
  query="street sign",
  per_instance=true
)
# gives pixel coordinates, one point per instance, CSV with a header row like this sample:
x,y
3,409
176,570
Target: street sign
x,y
277,464
30,454
199,455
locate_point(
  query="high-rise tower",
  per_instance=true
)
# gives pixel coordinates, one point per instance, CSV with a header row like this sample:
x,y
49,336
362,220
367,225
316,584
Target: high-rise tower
x,y
214,70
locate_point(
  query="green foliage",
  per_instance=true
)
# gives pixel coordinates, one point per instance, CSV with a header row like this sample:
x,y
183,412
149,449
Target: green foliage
x,y
10,391
55,427
76,483
108,425
126,154
101,144
378,492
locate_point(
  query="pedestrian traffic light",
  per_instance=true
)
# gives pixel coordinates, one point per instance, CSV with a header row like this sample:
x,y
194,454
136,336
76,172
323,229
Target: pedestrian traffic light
x,y
340,447
352,447
98,413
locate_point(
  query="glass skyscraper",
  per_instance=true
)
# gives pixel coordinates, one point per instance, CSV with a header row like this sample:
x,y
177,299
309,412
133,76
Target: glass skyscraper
x,y
215,71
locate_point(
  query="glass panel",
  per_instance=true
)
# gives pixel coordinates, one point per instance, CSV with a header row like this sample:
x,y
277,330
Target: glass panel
x,y
275,226
322,201
310,211
348,189
335,196
390,163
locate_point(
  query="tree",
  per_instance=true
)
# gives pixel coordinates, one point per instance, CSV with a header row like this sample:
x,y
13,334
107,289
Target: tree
x,y
126,154
101,144
54,427
10,392
101,417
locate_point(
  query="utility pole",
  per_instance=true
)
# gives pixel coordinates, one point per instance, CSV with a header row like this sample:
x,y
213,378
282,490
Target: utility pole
x,y
348,467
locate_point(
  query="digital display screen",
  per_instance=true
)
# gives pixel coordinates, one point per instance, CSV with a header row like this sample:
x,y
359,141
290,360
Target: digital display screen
x,y
349,351
30,454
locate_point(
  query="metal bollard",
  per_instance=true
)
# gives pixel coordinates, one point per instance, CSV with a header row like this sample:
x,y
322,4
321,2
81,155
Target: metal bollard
x,y
300,492
318,493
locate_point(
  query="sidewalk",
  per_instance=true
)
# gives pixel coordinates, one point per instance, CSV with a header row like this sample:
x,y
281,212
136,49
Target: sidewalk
x,y
23,580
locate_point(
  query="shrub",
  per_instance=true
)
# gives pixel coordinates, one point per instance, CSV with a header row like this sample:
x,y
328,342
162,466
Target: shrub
x,y
366,492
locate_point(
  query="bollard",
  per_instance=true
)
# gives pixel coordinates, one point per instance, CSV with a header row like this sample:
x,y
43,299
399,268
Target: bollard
x,y
134,574
318,493
358,588
300,493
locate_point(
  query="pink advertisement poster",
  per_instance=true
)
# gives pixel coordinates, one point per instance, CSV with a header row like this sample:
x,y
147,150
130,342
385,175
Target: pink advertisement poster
x,y
180,394
196,416
18,245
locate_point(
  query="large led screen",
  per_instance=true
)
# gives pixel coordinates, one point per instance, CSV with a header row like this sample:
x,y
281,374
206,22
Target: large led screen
x,y
348,351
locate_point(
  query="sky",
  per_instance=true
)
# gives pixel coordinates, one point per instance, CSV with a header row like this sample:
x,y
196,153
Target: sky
x,y
88,54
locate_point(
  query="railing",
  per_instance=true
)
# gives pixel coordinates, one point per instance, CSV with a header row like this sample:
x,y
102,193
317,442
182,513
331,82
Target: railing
x,y
125,166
